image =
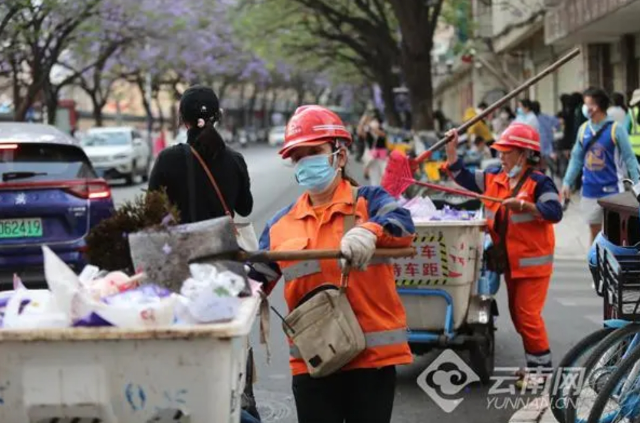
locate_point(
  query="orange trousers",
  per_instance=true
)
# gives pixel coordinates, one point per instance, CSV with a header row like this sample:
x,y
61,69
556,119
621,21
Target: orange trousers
x,y
526,301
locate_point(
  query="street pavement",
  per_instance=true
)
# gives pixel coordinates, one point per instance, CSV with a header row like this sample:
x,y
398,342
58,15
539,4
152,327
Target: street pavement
x,y
572,311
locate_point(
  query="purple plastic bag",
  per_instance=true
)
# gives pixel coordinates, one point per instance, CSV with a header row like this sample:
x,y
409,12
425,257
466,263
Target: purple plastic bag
x,y
91,320
140,295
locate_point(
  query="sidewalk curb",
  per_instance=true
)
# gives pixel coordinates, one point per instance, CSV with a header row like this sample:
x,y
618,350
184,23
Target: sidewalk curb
x,y
532,412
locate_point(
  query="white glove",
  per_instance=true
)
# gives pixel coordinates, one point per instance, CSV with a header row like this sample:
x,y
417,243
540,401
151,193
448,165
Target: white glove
x,y
358,246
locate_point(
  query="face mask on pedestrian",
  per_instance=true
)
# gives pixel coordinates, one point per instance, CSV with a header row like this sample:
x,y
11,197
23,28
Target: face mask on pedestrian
x,y
516,169
315,173
504,116
586,111
520,111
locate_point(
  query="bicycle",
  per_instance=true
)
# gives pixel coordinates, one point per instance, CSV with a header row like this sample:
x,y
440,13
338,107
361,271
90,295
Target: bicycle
x,y
564,374
621,291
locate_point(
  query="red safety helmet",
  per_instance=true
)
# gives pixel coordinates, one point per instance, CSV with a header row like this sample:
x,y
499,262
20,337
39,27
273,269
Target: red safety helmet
x,y
313,125
518,135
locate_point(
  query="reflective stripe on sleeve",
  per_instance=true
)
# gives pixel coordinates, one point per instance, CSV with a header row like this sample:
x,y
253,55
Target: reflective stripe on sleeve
x,y
549,196
301,269
387,208
380,260
480,179
522,218
536,261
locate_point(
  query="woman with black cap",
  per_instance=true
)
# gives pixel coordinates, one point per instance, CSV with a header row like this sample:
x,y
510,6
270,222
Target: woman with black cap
x,y
206,179
184,169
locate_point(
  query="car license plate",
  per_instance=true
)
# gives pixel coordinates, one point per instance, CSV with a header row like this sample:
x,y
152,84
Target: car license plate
x,y
20,228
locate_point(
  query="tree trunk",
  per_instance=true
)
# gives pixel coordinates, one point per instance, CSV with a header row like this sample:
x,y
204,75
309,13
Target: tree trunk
x,y
388,82
147,107
252,105
222,90
272,106
265,98
160,113
420,89
300,92
269,108
243,93
52,109
16,86
25,103
98,118
418,21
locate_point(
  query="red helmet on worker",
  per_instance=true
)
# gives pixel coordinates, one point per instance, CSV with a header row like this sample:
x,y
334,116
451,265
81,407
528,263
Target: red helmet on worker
x,y
313,125
518,135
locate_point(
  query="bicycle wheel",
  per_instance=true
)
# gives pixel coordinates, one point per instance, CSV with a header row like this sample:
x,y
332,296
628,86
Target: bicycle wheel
x,y
598,367
619,399
571,360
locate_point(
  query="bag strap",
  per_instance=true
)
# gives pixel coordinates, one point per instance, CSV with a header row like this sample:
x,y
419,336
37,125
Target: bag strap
x,y
212,180
502,230
585,148
350,219
191,189
349,223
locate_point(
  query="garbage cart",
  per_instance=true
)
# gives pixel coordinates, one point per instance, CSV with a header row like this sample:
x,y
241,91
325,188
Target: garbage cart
x,y
448,299
115,375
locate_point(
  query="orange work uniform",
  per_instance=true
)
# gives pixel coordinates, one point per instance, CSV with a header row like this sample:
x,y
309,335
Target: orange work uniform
x,y
372,293
530,244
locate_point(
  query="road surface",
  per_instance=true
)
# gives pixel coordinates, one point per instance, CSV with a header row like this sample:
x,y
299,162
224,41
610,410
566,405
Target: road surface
x,y
572,311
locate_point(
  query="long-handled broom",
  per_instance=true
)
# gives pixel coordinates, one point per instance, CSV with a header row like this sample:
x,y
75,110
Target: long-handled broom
x,y
399,172
450,190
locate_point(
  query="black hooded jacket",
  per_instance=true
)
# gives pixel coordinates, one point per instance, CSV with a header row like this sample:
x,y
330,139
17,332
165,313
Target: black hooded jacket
x,y
227,167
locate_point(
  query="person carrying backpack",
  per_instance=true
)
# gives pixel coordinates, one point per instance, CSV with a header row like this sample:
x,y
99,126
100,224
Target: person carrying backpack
x,y
604,154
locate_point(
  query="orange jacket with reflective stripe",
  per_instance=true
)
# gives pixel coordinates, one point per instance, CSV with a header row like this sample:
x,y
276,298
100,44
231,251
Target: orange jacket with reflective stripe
x,y
530,240
372,293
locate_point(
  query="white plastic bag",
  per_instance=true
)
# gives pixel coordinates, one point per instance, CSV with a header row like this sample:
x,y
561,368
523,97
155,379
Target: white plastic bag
x,y
77,303
152,314
421,208
212,296
42,311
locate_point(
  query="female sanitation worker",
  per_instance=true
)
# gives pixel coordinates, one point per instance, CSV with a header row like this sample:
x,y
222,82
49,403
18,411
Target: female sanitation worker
x,y
316,141
529,239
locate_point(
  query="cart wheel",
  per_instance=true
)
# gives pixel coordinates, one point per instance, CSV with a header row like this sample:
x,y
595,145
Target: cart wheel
x,y
482,353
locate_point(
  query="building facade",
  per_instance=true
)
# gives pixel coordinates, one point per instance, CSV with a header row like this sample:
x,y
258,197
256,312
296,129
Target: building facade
x,y
516,39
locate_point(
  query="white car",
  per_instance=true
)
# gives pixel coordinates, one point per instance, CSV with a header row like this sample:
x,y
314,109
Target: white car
x,y
118,152
276,136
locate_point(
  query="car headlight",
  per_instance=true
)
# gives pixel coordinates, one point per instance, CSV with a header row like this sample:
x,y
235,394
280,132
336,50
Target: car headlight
x,y
120,156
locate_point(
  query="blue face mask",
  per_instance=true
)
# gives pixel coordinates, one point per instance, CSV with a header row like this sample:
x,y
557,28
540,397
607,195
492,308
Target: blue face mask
x,y
519,111
515,171
315,173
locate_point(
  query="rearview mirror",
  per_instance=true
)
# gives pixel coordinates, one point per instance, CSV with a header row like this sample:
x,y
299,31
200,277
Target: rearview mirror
x,y
137,142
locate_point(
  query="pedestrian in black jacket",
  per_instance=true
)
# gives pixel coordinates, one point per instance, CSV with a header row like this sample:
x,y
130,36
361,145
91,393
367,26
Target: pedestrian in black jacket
x,y
189,188
184,178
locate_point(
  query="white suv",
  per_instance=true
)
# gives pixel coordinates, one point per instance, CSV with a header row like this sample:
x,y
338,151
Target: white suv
x,y
118,152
